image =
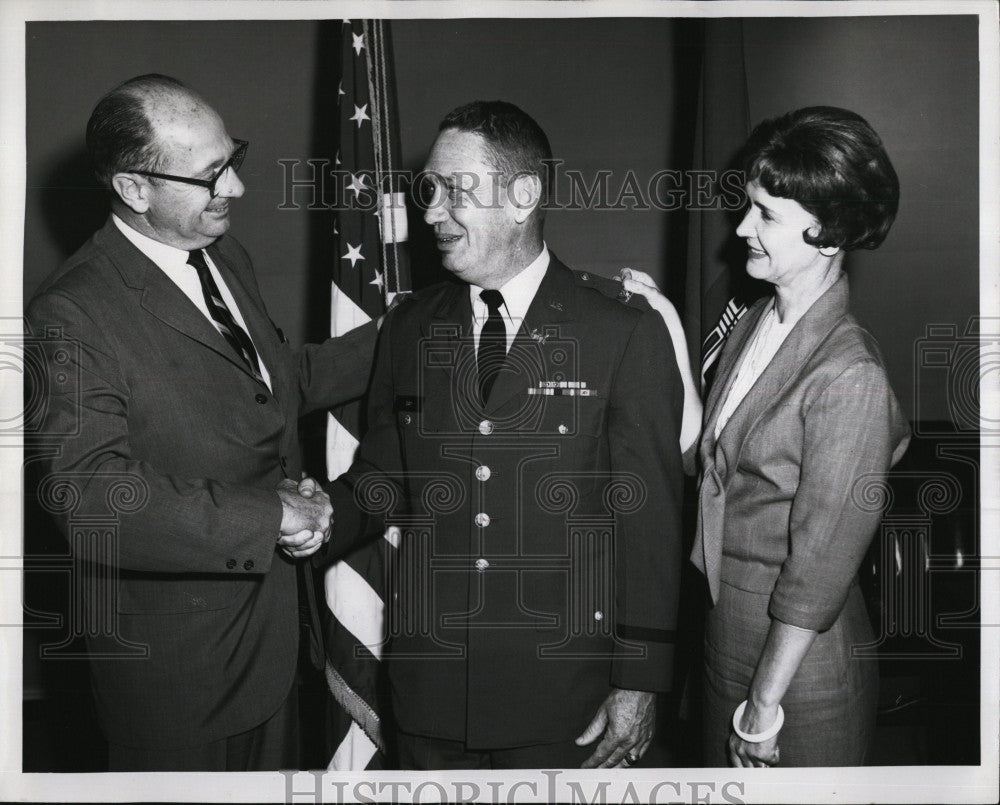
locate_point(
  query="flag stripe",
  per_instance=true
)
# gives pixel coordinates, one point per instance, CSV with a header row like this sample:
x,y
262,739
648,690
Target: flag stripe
x,y
341,443
352,600
356,752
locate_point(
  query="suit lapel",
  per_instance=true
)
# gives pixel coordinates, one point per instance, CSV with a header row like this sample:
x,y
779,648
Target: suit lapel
x,y
452,318
450,329
808,333
528,356
254,316
161,297
725,375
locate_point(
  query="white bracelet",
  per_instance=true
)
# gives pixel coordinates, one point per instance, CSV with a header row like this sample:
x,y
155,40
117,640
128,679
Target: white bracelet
x,y
759,737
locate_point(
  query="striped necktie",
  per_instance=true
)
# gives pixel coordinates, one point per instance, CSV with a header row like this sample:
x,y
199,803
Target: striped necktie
x,y
223,318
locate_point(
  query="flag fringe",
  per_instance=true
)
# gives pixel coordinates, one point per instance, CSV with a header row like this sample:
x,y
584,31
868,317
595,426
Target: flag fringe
x,y
355,706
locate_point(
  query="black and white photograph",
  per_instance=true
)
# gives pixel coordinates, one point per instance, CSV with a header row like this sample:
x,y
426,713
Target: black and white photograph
x,y
500,401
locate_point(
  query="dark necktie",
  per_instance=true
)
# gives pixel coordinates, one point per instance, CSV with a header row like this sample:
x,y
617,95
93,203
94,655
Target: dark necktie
x,y
223,318
492,344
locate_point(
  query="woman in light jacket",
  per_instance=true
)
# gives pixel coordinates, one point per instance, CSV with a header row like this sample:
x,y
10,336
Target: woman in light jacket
x,y
800,414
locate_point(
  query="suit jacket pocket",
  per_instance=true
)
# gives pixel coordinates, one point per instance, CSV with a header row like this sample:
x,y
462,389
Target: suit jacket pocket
x,y
138,596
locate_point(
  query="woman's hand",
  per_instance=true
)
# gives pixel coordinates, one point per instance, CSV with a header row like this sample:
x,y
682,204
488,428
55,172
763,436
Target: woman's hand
x,y
744,754
641,283
784,650
635,281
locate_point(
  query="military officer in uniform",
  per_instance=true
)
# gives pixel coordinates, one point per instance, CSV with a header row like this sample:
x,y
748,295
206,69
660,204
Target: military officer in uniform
x,y
524,426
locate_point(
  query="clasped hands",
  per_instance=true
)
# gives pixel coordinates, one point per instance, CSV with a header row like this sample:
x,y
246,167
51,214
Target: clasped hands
x,y
306,517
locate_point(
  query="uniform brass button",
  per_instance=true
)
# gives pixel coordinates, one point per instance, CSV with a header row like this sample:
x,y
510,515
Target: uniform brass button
x,y
261,398
248,564
563,429
482,519
407,419
598,616
483,473
230,563
481,565
585,276
486,427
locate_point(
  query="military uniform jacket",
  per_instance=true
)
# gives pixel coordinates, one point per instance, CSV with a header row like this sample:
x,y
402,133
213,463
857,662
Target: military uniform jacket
x,y
539,559
160,425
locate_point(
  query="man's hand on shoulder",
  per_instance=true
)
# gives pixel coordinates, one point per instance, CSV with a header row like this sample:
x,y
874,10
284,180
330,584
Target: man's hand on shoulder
x,y
306,517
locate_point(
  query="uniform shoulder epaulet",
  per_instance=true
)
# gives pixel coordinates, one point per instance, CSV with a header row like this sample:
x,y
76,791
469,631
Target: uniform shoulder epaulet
x,y
419,295
610,288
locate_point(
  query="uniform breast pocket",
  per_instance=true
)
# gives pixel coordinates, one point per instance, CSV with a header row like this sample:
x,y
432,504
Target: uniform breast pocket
x,y
411,418
572,416
576,467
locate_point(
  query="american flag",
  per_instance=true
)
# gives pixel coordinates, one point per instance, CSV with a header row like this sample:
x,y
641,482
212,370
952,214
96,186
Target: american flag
x,y
371,269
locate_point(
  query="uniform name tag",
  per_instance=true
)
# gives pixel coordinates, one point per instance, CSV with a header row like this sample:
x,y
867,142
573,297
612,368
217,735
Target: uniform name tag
x,y
407,404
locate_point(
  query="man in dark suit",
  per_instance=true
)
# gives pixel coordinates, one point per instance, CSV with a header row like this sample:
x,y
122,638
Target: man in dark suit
x,y
190,396
524,437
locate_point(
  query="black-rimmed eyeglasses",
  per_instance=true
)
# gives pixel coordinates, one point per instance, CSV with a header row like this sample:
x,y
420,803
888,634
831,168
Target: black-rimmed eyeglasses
x,y
233,162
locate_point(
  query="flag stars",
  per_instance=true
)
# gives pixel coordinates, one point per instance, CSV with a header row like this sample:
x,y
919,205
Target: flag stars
x,y
353,254
379,280
357,185
360,114
358,43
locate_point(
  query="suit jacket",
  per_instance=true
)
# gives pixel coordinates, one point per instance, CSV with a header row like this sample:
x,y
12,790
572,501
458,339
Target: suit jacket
x,y
779,504
539,559
158,400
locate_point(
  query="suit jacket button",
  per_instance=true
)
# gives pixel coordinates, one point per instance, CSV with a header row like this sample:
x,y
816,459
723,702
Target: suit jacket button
x,y
481,565
261,398
486,427
230,563
248,564
483,473
482,519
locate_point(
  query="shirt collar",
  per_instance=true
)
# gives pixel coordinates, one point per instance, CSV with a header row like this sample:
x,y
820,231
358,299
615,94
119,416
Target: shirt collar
x,y
518,292
164,256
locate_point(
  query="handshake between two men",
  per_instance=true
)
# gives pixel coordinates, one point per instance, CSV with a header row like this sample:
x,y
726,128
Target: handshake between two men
x,y
306,517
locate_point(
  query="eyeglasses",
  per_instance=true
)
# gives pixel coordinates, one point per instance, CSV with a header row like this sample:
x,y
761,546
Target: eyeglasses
x,y
233,162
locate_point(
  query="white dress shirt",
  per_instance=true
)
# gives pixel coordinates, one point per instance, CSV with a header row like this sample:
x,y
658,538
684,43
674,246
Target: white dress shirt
x,y
174,263
768,338
518,293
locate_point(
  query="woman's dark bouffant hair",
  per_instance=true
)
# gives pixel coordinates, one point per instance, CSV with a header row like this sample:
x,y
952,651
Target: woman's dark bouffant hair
x,y
833,163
